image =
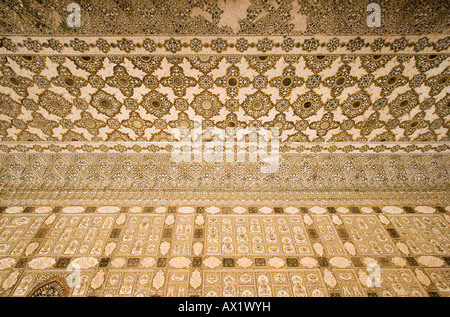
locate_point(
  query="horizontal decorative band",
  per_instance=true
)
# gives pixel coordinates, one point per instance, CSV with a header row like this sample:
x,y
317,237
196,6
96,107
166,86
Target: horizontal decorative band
x,y
163,45
223,199
224,210
168,147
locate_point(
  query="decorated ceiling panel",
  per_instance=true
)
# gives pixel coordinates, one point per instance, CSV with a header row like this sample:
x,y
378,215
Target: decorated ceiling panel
x,y
385,94
97,198
94,111
256,17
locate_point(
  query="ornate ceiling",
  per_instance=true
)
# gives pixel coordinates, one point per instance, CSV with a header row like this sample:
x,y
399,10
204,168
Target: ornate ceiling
x,y
358,108
310,97
355,188
224,17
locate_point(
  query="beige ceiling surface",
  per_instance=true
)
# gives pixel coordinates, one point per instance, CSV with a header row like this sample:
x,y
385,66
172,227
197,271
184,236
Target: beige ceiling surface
x,y
266,17
394,95
357,101
356,200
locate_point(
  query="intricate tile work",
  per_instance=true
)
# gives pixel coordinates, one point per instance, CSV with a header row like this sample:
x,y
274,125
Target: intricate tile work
x,y
95,205
85,104
180,45
283,17
305,178
118,251
53,288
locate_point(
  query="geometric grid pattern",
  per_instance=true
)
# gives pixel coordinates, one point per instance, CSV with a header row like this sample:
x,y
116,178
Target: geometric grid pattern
x,y
92,204
310,98
211,251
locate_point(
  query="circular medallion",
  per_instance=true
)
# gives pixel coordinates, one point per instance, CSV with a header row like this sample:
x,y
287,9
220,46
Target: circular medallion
x,y
356,104
156,104
340,81
257,105
178,82
14,81
404,103
391,80
55,104
233,82
324,125
106,103
286,81
123,81
68,81
206,104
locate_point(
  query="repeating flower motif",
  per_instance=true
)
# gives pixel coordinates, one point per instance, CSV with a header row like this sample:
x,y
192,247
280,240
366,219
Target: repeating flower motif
x,y
260,81
306,105
443,106
279,122
79,45
425,62
149,45
363,113
123,81
72,136
34,63
317,63
178,81
172,45
89,63
204,63
146,63
42,123
105,103
391,81
196,45
136,123
232,81
219,45
333,44
89,123
373,62
355,44
8,106
231,122
54,103
102,45
156,103
4,126
33,45
264,45
125,45
341,80
257,105
287,81
310,45
183,122
288,44
325,124
404,103
67,80
242,45
356,104
206,104
372,123
417,122
118,136
439,82
18,83
262,63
